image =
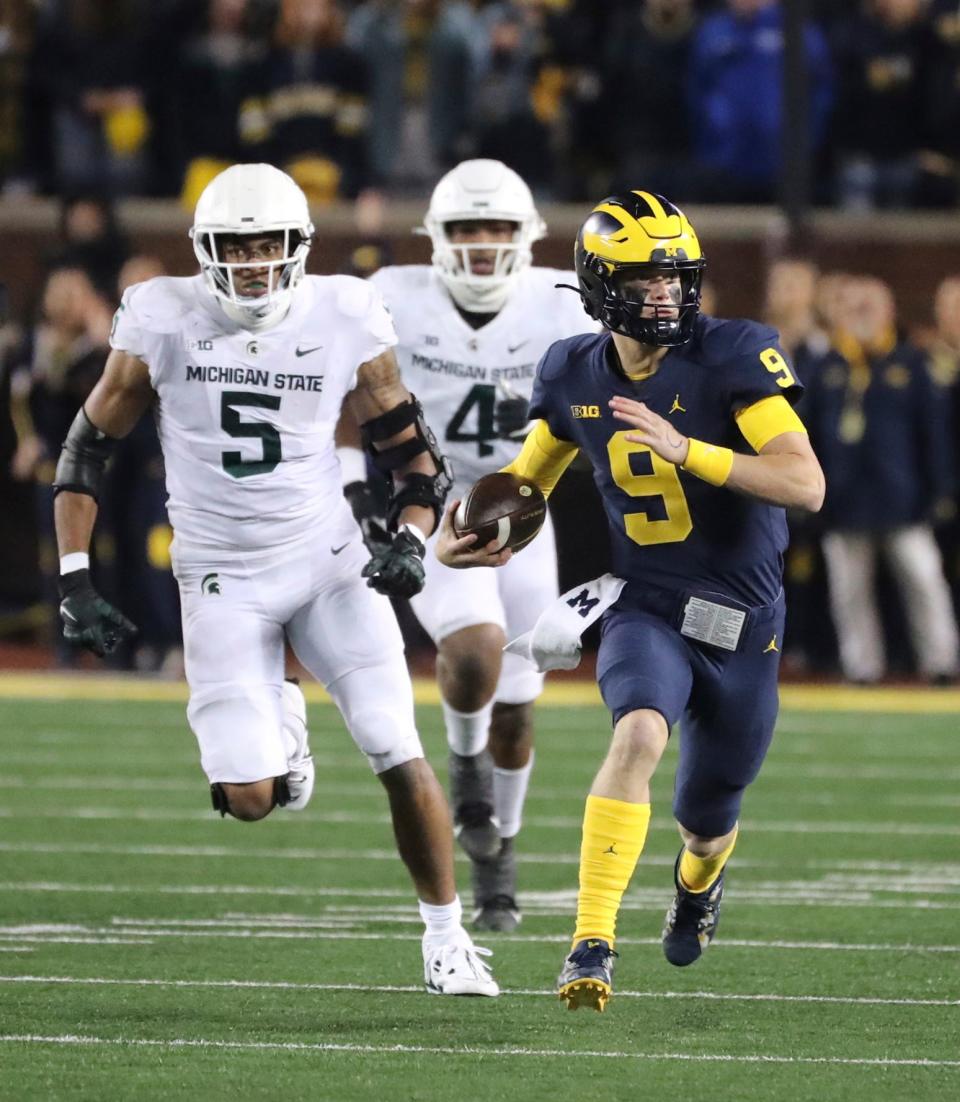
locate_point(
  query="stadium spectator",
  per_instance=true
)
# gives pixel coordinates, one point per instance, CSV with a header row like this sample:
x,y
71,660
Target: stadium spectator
x,y
308,107
734,82
199,112
881,427
423,57
85,82
133,508
939,158
642,118
510,123
880,60
91,240
791,308
63,359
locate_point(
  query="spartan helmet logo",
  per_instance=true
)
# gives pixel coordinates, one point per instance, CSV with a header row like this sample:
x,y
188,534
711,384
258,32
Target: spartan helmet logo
x,y
210,584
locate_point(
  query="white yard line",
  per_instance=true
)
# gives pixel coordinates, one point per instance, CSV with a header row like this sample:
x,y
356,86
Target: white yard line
x,y
638,899
275,985
438,1050
935,871
147,928
565,822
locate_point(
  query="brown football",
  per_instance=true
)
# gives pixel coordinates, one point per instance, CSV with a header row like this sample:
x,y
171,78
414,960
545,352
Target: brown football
x,y
501,507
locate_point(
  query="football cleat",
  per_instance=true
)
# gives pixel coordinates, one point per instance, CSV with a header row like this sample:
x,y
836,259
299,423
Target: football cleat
x,y
471,797
301,773
587,976
495,891
456,968
691,921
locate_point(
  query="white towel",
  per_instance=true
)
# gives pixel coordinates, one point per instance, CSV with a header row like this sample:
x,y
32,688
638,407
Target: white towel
x,y
554,642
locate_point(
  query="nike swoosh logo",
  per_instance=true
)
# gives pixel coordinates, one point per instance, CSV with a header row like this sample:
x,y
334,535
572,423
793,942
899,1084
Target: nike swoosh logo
x,y
306,351
516,347
337,550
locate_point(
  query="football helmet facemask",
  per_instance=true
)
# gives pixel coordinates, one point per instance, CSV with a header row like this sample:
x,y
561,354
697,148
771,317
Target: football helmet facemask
x,y
486,191
629,238
252,201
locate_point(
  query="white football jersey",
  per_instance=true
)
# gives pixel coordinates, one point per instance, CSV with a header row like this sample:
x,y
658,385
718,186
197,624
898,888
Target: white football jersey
x,y
459,373
246,419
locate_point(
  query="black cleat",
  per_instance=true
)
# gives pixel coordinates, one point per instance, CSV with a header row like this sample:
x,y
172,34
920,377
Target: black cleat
x,y
691,921
587,976
495,891
499,915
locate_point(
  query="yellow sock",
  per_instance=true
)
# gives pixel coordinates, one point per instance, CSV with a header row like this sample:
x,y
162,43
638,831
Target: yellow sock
x,y
698,873
613,835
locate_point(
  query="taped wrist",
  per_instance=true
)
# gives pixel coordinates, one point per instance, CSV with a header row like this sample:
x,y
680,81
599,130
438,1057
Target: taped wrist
x,y
83,458
708,461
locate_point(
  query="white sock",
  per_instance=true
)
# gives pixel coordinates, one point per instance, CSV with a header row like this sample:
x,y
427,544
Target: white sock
x,y
441,920
467,732
509,793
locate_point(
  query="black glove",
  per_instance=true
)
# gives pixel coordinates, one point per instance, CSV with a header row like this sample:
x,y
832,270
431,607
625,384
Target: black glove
x,y
510,417
368,513
396,569
89,620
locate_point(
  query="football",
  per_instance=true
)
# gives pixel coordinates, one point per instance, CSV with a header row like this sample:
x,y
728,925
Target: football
x,y
501,507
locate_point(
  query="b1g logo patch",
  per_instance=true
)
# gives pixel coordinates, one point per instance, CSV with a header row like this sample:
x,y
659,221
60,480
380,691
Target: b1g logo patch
x,y
585,411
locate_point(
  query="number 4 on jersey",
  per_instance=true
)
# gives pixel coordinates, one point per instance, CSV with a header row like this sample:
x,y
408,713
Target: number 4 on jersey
x,y
484,397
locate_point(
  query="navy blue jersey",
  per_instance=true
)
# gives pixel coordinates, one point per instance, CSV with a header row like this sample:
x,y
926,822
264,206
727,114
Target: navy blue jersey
x,y
669,528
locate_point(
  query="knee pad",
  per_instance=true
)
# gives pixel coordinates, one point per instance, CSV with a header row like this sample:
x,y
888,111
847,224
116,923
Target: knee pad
x,y
519,683
218,797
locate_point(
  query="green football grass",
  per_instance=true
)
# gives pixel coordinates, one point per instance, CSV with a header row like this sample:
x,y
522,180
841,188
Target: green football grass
x,y
150,950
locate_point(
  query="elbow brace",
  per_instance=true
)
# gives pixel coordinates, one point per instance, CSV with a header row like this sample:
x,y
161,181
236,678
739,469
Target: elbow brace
x,y
83,458
416,488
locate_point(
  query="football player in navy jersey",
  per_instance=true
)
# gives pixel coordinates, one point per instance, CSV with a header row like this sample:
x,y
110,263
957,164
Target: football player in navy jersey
x,y
689,424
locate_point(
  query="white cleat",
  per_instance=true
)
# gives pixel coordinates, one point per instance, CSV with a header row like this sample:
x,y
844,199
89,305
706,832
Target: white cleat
x,y
301,773
455,968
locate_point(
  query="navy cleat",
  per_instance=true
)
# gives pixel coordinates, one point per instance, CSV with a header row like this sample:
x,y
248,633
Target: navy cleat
x,y
691,921
587,976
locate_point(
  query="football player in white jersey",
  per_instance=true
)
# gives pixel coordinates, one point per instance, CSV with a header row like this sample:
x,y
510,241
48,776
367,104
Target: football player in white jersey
x,y
472,327
247,366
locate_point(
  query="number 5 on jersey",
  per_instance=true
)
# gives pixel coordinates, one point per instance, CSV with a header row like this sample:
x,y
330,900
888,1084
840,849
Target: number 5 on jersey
x,y
233,462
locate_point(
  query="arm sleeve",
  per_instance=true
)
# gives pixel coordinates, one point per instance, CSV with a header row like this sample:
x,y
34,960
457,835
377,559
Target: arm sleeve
x,y
767,419
543,458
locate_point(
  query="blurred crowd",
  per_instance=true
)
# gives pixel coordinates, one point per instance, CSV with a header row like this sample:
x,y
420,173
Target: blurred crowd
x,y
153,97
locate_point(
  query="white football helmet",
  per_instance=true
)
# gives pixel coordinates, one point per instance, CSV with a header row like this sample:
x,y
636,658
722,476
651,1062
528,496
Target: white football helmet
x,y
482,190
253,199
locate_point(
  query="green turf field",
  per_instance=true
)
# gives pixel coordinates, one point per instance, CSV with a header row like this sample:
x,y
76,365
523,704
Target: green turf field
x,y
150,950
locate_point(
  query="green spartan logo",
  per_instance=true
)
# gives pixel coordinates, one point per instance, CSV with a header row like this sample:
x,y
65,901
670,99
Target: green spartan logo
x,y
210,584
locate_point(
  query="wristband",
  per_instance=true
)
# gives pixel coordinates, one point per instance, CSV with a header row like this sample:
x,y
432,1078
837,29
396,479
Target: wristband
x,y
76,560
415,532
708,461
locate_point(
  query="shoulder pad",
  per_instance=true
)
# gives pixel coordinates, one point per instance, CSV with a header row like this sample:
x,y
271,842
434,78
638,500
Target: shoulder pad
x,y
561,354
355,297
722,339
161,303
